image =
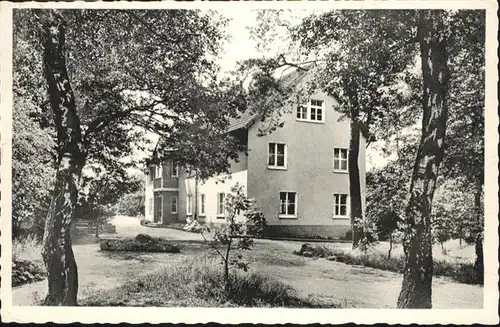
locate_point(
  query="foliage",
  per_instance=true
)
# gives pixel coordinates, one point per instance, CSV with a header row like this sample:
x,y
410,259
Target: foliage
x,y
193,226
198,282
130,76
102,192
360,62
200,144
386,193
236,234
131,204
32,165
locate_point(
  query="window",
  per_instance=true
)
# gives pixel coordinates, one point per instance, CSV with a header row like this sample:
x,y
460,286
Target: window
x,y
316,110
173,205
220,204
151,206
202,204
312,111
340,206
175,170
277,155
157,171
339,159
302,112
189,205
288,204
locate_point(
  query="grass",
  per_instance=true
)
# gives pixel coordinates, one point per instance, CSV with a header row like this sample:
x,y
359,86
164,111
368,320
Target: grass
x,y
462,272
199,282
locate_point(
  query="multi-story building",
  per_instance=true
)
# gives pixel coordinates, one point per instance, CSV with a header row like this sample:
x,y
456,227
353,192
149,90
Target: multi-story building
x,y
298,175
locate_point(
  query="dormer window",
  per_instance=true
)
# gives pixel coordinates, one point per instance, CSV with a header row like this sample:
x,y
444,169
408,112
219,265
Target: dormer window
x,y
313,111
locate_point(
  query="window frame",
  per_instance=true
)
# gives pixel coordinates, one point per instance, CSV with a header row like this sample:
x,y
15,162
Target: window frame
x,y
303,110
221,214
275,154
174,171
339,170
202,204
287,215
158,171
339,205
189,204
308,107
172,205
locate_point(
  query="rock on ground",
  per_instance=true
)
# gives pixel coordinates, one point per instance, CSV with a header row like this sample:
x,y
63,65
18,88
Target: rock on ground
x,y
141,243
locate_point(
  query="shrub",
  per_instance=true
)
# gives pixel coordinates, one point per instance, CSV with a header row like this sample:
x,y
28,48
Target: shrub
x,y
194,227
131,204
25,272
27,266
461,272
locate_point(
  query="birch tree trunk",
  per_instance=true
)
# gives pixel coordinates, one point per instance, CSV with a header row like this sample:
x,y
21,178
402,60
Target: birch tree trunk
x,y
57,252
479,263
356,209
416,291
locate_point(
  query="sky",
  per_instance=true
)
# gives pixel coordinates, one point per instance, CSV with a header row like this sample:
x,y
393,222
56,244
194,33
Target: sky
x,y
240,46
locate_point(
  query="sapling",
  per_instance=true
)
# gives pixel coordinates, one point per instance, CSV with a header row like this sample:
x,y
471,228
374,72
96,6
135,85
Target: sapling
x,y
235,234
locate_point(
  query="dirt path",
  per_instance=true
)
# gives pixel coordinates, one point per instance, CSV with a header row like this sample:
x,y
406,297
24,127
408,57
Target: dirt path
x,y
331,282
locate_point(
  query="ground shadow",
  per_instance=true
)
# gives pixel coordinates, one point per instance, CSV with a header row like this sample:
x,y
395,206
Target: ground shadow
x,y
129,255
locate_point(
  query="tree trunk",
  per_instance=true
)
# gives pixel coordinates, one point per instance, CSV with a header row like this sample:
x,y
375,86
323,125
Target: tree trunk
x,y
416,289
57,252
97,224
390,246
479,263
356,209
226,268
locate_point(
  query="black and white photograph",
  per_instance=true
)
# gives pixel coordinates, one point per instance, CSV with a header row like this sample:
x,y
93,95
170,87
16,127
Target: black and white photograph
x,y
269,157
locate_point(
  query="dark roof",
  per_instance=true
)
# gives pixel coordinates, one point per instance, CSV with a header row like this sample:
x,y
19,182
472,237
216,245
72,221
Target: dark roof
x,y
245,120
